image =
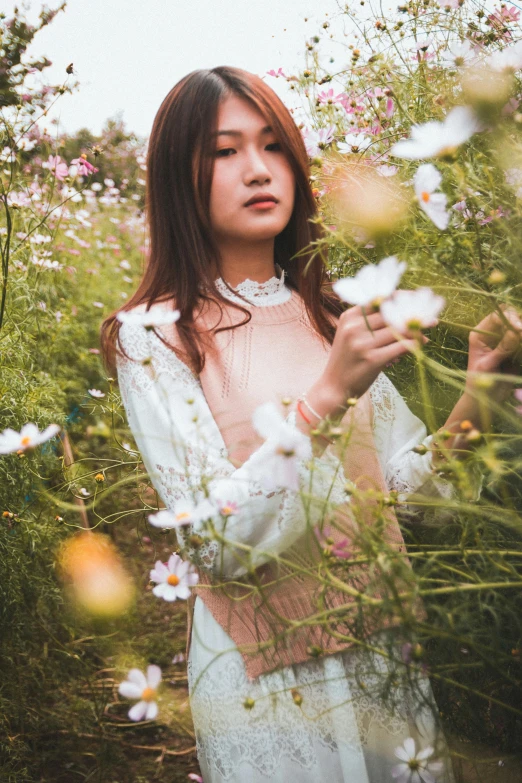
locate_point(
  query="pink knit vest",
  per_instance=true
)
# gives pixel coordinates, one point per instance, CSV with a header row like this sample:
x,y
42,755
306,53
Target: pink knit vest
x,y
278,354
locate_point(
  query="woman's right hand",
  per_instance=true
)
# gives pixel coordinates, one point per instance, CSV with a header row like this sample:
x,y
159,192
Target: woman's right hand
x,y
357,356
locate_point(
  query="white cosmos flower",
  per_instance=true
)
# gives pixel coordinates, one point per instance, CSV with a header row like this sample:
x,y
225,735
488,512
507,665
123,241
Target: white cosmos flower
x,y
317,140
435,139
413,310
372,284
28,438
185,512
426,181
415,767
144,688
149,319
276,463
96,393
508,59
174,578
354,143
458,54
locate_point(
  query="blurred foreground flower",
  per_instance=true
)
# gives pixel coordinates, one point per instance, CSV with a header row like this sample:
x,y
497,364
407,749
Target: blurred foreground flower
x,y
185,512
426,181
150,319
95,575
415,767
412,310
486,89
28,438
144,688
438,139
371,284
174,578
276,462
518,396
365,202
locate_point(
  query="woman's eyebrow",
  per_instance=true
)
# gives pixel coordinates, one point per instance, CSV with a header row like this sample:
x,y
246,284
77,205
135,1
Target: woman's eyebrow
x,y
265,130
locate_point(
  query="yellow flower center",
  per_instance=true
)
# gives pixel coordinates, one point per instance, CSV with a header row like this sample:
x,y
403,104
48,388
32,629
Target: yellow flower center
x,y
26,441
226,511
285,452
182,515
425,196
414,324
149,694
413,764
173,580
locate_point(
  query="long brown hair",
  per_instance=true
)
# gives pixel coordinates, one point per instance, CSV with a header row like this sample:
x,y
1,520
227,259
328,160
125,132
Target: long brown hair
x,y
182,247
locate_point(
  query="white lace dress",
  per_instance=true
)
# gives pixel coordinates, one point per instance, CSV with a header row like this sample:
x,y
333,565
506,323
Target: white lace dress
x,y
254,731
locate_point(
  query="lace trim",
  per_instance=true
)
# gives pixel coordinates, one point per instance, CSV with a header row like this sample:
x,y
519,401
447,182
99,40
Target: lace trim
x,y
340,711
271,292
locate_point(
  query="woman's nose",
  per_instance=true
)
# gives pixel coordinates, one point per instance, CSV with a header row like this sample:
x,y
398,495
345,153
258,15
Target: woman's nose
x,y
256,169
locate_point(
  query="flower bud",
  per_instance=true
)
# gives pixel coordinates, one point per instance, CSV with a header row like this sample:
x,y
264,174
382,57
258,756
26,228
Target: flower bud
x,y
296,696
249,703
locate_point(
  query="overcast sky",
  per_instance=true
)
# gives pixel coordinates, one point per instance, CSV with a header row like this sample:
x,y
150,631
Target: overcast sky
x,y
128,54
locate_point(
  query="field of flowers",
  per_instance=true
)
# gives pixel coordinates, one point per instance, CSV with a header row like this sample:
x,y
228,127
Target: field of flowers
x,y
415,137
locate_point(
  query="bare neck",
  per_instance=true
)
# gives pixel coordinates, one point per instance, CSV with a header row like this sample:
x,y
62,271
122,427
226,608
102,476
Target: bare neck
x,y
246,260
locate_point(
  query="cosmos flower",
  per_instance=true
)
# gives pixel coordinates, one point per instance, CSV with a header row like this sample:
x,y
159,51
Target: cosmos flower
x,y
84,168
415,767
426,181
142,687
28,438
412,310
277,460
185,512
437,139
56,165
96,393
354,143
458,54
371,284
315,141
518,396
174,578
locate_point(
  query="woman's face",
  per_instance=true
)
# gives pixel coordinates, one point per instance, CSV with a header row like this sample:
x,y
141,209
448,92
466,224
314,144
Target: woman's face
x,y
253,185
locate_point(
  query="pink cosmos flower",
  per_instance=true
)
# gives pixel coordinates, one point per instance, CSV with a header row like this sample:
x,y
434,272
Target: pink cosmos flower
x,y
518,396
174,578
277,74
57,166
328,98
84,167
329,547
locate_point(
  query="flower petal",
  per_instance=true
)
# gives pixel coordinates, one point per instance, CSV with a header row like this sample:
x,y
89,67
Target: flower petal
x,y
153,675
129,690
138,711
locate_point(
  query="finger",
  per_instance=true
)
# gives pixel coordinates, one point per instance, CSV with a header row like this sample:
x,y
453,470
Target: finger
x,y
386,336
356,317
382,356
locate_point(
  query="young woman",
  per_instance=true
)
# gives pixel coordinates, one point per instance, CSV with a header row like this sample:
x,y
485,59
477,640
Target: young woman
x,y
229,209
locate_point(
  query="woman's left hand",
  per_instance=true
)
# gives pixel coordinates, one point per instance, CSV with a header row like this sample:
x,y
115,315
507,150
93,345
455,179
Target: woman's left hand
x,y
495,347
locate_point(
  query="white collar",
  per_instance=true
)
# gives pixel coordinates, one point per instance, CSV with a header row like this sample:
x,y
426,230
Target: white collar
x,y
272,291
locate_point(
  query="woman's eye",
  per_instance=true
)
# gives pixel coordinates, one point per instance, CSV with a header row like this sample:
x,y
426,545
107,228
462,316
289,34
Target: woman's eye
x,y
225,153
274,147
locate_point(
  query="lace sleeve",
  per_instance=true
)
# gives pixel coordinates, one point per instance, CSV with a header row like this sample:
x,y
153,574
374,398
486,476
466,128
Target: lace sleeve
x,y
183,451
397,431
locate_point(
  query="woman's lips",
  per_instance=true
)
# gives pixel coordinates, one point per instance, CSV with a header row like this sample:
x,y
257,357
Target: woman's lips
x,y
261,205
